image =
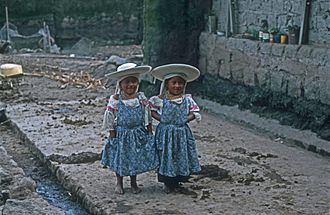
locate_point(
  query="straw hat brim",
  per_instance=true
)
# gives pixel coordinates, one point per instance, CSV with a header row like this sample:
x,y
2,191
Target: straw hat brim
x,y
136,72
187,72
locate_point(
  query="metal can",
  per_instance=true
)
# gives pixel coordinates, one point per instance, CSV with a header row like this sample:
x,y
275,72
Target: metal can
x,y
265,37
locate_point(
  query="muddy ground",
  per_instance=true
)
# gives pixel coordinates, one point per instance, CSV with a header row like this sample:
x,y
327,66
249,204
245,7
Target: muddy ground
x,y
244,171
46,192
296,112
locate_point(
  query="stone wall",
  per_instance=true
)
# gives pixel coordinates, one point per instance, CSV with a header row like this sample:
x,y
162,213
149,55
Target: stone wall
x,y
286,82
279,13
299,71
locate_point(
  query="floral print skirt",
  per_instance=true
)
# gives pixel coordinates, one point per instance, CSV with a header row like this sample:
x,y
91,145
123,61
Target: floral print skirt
x,y
132,152
177,151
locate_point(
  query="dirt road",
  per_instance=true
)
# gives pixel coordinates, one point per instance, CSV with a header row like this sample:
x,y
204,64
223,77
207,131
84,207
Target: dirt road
x,y
245,171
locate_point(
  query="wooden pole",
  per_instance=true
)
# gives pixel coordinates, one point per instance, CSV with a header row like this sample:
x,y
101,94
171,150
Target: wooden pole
x,y
303,34
227,21
48,37
7,25
44,39
231,17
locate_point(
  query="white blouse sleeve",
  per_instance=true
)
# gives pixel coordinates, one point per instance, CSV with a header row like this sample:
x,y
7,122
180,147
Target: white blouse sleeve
x,y
147,114
156,104
194,108
110,114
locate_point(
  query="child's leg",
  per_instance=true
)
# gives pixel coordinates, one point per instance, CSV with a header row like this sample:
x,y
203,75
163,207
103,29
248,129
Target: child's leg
x,y
134,185
119,187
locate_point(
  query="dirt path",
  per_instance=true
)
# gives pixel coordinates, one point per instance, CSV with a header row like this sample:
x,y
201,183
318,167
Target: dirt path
x,y
244,171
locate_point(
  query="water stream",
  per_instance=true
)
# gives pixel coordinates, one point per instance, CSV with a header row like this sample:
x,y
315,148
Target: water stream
x,y
47,185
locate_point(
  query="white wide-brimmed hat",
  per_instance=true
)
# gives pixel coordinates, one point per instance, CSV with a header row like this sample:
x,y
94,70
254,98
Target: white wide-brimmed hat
x,y
185,71
128,69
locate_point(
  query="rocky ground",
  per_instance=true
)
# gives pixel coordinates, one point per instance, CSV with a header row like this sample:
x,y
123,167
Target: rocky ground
x,y
56,110
18,188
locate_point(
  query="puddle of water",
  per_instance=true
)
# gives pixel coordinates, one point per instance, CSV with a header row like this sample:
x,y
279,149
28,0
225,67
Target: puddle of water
x,y
55,194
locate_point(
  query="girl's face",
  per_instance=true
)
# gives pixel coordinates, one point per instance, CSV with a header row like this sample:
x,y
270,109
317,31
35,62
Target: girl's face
x,y
175,85
129,85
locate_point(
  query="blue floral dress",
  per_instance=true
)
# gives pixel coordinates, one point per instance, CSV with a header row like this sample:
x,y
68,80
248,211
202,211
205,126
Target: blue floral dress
x,y
133,150
174,140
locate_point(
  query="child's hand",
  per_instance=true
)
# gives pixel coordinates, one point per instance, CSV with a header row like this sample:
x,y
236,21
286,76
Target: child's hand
x,y
191,117
155,115
198,117
194,115
149,128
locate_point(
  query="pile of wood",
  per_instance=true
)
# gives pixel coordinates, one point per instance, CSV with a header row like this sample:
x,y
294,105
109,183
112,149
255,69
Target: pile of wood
x,y
77,79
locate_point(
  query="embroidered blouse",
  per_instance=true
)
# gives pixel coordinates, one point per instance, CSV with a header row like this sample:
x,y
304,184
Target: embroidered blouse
x,y
110,114
156,104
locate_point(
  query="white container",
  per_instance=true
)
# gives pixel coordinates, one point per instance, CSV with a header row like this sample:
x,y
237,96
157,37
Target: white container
x,y
9,69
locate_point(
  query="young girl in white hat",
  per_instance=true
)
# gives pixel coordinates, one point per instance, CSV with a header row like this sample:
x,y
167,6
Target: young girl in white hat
x,y
129,149
174,110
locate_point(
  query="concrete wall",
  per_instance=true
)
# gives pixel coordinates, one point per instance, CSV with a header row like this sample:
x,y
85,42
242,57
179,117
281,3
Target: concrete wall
x,y
279,13
296,71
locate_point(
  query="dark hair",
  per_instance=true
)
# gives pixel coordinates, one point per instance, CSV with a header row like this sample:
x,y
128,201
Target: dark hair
x,y
167,80
128,77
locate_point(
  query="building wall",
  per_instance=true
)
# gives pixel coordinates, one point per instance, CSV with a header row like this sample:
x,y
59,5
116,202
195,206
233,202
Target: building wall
x,y
279,13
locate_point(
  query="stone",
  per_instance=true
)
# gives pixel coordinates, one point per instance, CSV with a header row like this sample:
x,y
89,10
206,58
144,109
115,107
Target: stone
x,y
23,188
114,59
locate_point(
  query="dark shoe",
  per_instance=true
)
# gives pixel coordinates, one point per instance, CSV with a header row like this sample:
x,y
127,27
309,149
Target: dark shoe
x,y
136,190
168,189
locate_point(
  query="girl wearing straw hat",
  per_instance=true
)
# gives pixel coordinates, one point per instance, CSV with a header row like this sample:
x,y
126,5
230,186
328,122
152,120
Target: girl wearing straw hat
x,y
174,109
129,149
